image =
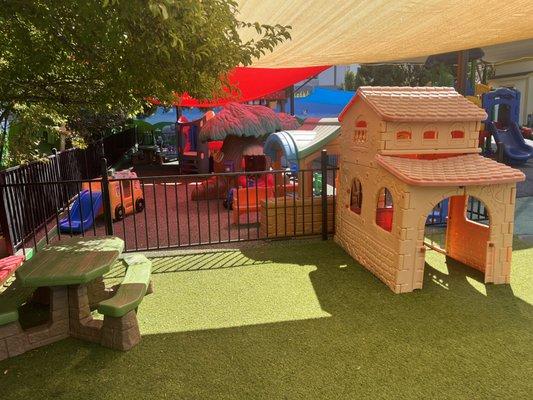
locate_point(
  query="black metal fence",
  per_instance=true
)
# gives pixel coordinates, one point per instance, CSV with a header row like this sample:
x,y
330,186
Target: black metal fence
x,y
164,212
26,208
475,211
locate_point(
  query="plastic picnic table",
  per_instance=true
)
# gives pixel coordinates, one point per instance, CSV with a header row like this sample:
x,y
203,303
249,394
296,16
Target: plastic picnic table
x,y
72,261
72,268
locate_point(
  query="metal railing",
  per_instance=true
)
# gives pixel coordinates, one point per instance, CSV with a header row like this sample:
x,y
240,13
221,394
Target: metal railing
x,y
165,212
475,211
37,203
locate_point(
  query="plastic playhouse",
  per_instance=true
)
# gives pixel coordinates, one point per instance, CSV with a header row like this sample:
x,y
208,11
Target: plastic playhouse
x,y
403,151
125,194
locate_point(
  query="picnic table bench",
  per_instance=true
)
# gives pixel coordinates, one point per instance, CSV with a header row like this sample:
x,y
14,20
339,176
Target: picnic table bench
x,y
8,266
120,329
69,268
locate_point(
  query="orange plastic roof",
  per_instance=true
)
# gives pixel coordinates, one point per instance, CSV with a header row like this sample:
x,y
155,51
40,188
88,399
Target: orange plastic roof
x,y
423,104
471,169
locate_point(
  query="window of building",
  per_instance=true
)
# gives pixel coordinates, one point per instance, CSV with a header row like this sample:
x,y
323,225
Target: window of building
x,y
430,135
360,132
403,135
384,210
458,135
356,196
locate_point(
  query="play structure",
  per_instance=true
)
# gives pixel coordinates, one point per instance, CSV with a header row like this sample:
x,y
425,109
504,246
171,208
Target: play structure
x,y
148,150
193,154
297,149
235,138
125,194
298,152
403,151
503,110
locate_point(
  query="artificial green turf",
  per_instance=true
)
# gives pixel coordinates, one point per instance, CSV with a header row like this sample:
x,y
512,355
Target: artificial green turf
x,y
301,320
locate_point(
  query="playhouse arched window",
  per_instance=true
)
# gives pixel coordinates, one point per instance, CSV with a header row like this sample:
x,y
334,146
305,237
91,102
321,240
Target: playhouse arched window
x,y
458,134
403,135
430,135
356,196
384,209
359,136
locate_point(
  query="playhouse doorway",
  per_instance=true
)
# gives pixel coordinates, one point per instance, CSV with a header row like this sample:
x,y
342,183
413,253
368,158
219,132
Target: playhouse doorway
x,y
459,227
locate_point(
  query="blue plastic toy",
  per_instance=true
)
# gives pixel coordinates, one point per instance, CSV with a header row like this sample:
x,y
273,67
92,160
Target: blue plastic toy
x,y
515,149
503,113
83,206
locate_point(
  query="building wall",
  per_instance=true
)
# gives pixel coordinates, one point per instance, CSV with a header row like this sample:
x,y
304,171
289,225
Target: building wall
x,y
375,248
371,245
417,144
398,257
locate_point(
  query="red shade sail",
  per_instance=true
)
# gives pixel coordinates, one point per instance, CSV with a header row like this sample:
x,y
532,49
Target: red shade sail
x,y
254,83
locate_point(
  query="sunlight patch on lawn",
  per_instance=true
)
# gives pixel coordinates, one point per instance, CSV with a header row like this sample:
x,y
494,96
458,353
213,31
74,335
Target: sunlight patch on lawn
x,y
479,286
199,300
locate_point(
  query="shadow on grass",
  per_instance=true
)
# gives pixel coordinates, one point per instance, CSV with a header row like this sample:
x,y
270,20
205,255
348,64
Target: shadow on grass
x,y
208,260
452,339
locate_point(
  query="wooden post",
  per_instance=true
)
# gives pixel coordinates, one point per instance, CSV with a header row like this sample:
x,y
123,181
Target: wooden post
x,y
324,167
105,198
292,100
462,71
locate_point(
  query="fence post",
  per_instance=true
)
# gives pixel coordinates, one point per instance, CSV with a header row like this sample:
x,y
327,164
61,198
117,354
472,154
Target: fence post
x,y
56,160
324,167
4,218
105,198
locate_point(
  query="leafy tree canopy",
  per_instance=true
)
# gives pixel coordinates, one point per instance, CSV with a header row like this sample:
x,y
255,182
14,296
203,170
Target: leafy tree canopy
x,y
349,81
392,75
414,75
108,56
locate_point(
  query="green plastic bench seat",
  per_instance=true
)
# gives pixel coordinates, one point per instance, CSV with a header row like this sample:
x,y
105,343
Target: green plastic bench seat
x,y
10,300
132,289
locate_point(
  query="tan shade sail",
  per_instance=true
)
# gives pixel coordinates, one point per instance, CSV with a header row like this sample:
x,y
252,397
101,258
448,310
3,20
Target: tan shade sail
x,y
329,32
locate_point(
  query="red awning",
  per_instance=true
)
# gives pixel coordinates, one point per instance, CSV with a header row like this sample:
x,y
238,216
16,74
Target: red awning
x,y
254,83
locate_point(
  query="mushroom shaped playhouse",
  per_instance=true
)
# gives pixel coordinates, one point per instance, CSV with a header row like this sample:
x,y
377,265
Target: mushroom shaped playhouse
x,y
235,137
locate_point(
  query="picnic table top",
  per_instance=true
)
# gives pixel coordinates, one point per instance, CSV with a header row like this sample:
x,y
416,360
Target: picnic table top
x,y
71,261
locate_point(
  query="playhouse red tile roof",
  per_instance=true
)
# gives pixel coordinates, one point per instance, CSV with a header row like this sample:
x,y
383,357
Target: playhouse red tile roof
x,y
419,104
471,169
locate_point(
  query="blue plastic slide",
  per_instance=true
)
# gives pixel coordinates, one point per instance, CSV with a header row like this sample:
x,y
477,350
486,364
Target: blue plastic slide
x,y
515,149
85,207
